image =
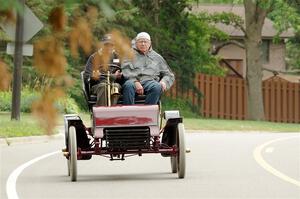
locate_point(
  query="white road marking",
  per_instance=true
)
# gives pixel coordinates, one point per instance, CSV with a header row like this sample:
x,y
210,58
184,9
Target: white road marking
x,y
259,159
269,150
11,190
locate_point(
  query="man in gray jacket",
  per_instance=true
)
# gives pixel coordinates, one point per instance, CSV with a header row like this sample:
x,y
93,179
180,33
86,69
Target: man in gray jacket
x,y
148,74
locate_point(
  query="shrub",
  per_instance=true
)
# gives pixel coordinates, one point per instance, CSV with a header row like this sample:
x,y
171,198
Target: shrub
x,y
5,101
27,97
66,105
184,106
76,93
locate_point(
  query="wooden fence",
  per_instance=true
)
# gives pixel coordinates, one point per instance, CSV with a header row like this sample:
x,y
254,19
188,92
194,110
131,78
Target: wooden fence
x,y
281,100
226,98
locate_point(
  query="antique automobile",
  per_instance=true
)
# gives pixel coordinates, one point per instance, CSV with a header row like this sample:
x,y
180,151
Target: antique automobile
x,y
121,131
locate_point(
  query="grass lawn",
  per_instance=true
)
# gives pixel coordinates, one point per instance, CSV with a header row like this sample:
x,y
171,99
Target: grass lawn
x,y
28,126
239,125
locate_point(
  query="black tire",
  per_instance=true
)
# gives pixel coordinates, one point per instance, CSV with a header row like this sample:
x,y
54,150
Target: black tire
x,y
174,166
72,153
68,164
66,142
181,150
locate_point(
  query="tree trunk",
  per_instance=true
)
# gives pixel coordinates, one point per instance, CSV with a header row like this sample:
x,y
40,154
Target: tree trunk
x,y
254,19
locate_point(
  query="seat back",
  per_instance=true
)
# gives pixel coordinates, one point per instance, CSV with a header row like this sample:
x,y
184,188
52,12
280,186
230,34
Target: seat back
x,y
85,87
90,100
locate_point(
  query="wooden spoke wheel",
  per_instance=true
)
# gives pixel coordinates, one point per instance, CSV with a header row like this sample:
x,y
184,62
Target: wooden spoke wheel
x,y
72,143
181,150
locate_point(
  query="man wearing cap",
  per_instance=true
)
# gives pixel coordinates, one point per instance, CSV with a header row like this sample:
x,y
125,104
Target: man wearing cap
x,y
148,74
96,67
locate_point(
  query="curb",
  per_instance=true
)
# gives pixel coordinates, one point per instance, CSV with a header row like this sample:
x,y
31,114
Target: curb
x,y
31,139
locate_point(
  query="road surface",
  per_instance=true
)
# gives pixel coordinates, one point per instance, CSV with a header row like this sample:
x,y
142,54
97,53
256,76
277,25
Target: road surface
x,y
220,165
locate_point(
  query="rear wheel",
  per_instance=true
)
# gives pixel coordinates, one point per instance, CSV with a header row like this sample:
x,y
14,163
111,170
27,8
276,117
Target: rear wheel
x,y
181,150
68,167
72,143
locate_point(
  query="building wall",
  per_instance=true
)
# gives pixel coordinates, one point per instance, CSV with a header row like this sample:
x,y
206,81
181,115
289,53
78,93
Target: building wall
x,y
233,52
276,56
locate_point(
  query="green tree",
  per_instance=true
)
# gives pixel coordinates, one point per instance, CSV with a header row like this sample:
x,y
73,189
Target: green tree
x,y
183,39
254,20
256,11
285,20
109,14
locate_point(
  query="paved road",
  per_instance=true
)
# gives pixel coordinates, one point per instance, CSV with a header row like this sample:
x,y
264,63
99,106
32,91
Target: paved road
x,y
221,165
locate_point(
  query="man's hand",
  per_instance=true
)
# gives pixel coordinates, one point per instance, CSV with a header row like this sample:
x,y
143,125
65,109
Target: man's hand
x,y
96,74
139,88
163,86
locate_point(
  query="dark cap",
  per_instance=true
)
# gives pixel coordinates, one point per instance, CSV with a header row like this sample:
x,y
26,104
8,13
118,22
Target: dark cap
x,y
107,39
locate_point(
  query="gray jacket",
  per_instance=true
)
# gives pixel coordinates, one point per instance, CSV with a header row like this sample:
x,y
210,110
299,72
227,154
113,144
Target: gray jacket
x,y
150,66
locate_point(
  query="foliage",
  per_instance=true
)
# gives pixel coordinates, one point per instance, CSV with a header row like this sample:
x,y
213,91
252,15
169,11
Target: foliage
x,y
219,1
76,93
191,35
28,96
5,101
293,56
5,5
290,19
60,41
199,42
227,18
68,105
284,16
185,107
181,38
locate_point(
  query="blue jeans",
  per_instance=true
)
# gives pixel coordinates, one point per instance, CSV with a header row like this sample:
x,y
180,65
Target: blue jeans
x,y
152,90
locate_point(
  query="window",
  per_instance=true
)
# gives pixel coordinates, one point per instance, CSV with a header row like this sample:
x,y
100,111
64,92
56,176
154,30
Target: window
x,y
265,51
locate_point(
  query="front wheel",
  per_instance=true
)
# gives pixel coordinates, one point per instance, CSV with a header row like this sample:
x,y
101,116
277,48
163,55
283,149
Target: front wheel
x,y
68,167
72,143
181,150
174,164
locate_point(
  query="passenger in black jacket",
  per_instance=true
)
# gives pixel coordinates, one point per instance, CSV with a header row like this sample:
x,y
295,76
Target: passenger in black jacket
x,y
96,71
